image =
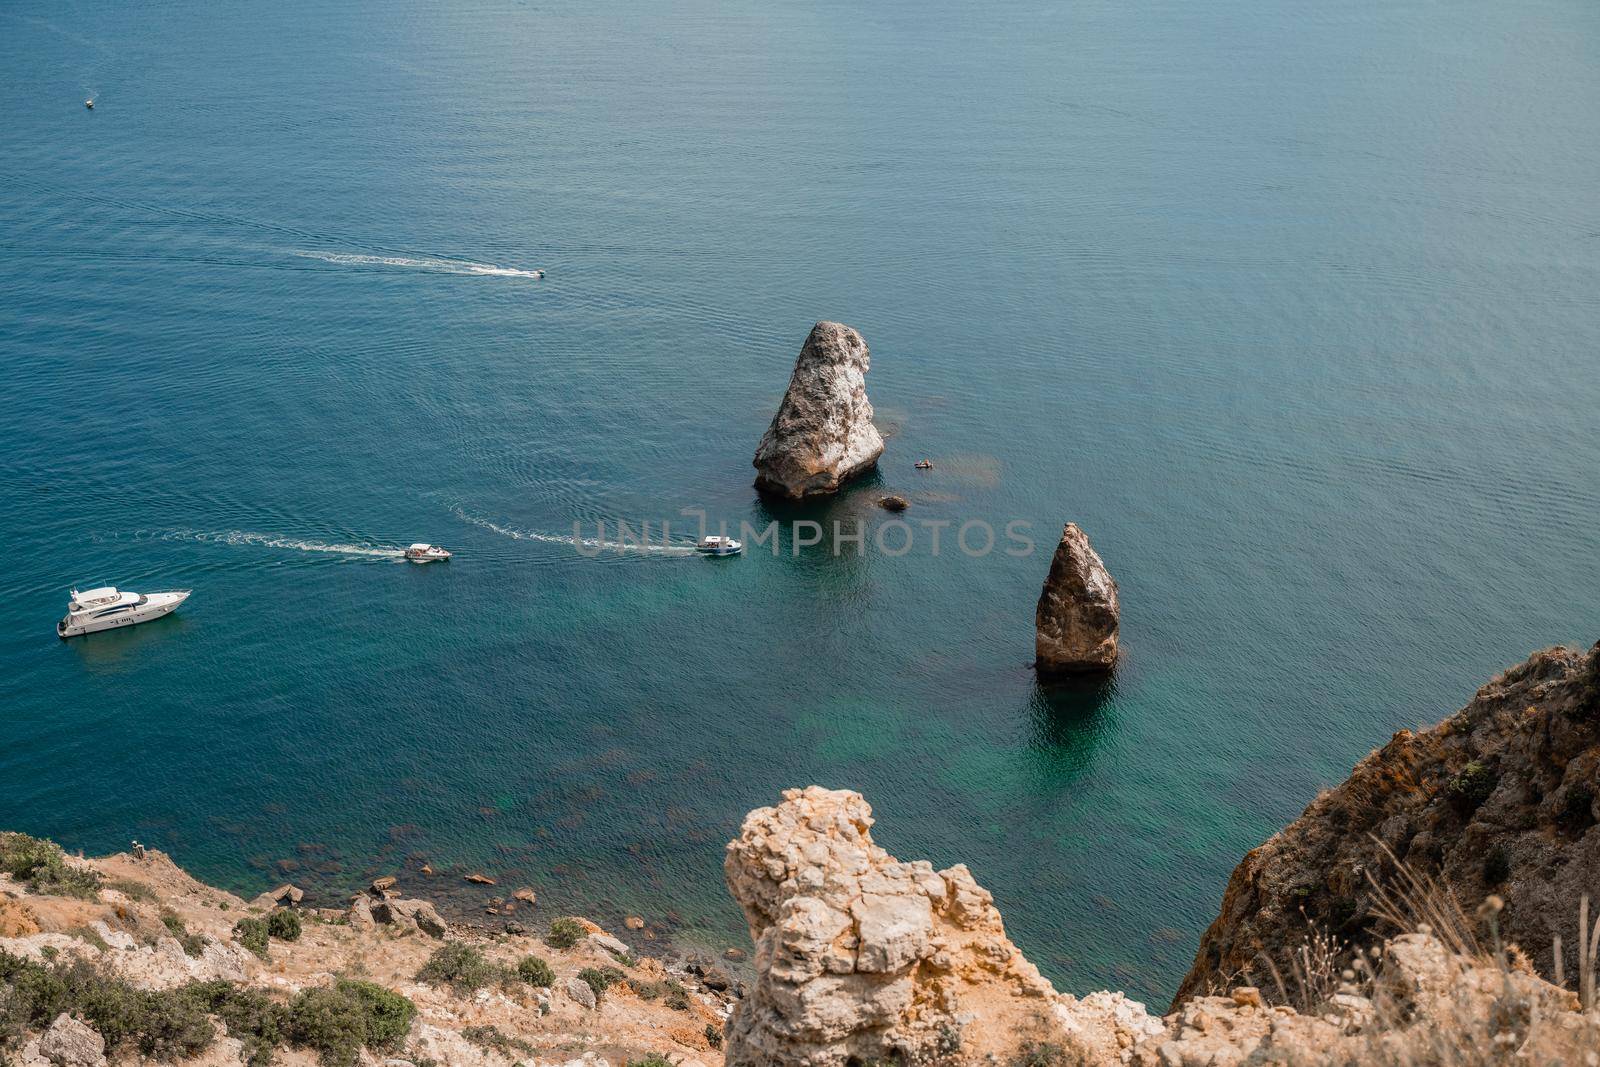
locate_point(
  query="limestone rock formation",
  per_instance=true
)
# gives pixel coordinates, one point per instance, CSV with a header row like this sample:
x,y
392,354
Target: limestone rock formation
x,y
862,958
408,913
822,435
1502,797
72,1043
1076,622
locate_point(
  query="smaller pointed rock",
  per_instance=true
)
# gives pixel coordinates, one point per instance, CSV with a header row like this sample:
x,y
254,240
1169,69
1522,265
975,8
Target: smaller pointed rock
x,y
1078,615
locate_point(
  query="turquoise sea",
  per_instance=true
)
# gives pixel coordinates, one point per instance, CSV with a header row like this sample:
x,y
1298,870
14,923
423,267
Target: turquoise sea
x,y
1294,306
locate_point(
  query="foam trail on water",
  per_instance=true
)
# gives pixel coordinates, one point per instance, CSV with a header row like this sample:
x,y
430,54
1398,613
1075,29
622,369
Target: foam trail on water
x,y
431,264
244,537
575,542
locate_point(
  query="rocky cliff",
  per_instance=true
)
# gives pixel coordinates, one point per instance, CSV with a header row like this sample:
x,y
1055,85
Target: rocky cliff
x,y
1443,848
822,435
128,959
1502,797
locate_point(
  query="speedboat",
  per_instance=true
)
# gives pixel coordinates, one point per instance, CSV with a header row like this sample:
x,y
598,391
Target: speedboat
x,y
89,104
108,608
423,553
718,546
923,464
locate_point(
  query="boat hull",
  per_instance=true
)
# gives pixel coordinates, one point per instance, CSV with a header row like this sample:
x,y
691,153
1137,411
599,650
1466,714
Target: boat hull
x,y
156,605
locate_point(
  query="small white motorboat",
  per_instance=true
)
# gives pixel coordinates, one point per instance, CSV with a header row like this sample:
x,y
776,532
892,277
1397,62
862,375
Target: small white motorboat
x,y
108,608
424,553
89,104
718,546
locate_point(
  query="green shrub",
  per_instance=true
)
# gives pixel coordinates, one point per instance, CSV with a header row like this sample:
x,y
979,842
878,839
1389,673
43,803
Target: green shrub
x,y
536,972
388,1013
21,855
42,866
713,1035
284,924
1472,786
340,1019
330,1022
600,979
462,966
652,1059
565,932
492,1037
252,934
670,992
252,1018
193,944
162,1025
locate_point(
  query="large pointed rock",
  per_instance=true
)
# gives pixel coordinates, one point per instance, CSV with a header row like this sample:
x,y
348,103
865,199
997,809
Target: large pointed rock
x,y
822,435
1077,618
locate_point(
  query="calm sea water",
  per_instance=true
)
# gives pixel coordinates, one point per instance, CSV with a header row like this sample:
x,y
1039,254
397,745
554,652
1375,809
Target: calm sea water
x,y
1295,307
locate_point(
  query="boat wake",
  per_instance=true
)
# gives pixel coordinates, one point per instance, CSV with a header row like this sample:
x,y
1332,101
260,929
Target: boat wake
x,y
433,265
593,543
244,537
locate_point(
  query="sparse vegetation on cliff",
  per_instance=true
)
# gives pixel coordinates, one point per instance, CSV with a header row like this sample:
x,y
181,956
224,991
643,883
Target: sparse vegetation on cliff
x,y
565,932
461,966
342,1019
42,865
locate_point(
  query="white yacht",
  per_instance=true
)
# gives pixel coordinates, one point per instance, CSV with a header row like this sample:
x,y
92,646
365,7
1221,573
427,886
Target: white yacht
x,y
108,608
425,553
718,546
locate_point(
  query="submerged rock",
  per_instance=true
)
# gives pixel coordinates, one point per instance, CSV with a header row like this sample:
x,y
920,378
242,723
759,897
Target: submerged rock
x,y
893,502
822,435
1076,622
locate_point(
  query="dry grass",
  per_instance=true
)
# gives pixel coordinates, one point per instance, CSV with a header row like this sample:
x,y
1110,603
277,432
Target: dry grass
x,y
1494,1014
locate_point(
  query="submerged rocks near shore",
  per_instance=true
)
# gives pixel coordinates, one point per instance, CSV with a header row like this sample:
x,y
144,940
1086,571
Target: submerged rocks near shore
x,y
1077,618
822,435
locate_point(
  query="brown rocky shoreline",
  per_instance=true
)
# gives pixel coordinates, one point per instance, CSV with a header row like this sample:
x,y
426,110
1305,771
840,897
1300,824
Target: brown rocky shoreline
x,y
1381,927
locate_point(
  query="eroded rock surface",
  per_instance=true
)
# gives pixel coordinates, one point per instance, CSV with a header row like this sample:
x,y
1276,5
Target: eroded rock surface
x,y
1501,798
860,957
1076,621
822,435
70,1042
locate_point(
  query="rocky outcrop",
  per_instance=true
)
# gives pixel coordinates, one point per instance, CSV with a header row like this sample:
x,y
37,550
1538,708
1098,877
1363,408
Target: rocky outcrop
x,y
862,958
403,912
1502,797
1076,622
72,1043
823,434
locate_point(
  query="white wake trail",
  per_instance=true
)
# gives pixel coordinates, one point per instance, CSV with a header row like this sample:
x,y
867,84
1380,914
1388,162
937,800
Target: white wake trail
x,y
575,542
432,265
245,537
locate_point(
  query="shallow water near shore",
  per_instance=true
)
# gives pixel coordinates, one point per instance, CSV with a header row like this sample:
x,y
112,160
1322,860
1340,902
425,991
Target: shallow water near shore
x,y
1293,308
